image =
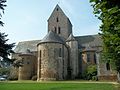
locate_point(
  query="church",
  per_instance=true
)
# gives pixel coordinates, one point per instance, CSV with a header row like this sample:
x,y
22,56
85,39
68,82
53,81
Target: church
x,y
60,55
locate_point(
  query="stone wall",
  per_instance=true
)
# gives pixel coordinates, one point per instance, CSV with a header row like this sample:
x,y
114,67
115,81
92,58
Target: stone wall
x,y
73,53
27,71
63,22
29,68
51,64
108,77
103,73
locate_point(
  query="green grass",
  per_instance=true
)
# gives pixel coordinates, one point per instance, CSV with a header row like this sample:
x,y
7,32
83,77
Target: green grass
x,y
57,86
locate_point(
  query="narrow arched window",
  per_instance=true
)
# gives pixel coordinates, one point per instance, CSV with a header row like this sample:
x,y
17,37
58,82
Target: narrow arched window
x,y
60,52
59,30
108,66
28,62
57,20
55,29
88,57
40,54
95,58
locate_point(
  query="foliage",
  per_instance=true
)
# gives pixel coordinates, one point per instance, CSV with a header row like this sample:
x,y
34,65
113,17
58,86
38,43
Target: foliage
x,y
13,73
18,63
91,72
2,5
12,78
108,11
5,49
4,71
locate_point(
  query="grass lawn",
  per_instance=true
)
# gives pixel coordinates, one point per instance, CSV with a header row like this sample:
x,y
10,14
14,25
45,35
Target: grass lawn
x,y
57,86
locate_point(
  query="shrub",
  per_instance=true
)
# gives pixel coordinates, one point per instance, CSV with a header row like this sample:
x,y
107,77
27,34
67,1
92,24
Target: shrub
x,y
4,71
12,78
90,73
13,74
34,78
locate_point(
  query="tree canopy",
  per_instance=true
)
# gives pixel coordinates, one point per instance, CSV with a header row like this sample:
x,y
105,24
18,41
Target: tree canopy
x,y
5,49
108,11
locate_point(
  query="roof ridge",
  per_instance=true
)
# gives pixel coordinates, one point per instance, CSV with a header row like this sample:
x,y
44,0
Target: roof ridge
x,y
29,41
87,35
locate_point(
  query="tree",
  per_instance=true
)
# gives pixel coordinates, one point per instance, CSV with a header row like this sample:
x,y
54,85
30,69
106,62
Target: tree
x,y
5,49
4,71
18,63
108,11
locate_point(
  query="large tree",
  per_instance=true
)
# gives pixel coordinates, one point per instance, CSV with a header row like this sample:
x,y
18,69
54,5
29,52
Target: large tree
x,y
5,49
108,11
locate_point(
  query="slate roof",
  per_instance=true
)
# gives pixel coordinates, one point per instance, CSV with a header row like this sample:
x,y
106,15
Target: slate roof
x,y
52,37
89,40
83,41
26,52
22,46
88,48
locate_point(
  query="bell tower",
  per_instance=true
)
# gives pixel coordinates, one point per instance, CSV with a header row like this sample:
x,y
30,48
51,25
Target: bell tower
x,y
59,23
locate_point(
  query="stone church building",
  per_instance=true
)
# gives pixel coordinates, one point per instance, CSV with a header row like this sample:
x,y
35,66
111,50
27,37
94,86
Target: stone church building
x,y
60,55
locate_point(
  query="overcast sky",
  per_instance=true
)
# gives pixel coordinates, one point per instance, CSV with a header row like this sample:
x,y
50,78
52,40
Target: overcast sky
x,y
27,19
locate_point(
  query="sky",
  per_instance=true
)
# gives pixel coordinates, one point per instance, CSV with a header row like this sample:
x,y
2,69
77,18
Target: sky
x,y
27,19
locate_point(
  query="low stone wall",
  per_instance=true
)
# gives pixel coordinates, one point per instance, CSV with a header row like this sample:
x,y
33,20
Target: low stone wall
x,y
108,78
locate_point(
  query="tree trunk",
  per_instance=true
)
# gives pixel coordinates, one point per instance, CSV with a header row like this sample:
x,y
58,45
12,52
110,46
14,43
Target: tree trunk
x,y
118,76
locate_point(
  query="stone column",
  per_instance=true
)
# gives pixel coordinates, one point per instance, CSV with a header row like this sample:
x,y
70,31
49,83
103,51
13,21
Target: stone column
x,y
98,63
118,77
